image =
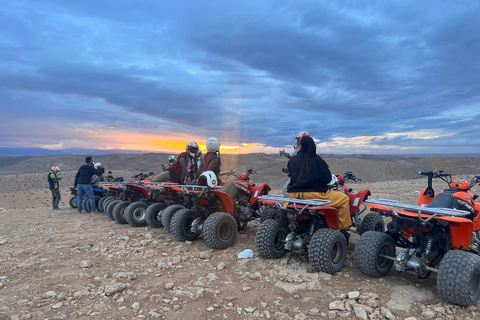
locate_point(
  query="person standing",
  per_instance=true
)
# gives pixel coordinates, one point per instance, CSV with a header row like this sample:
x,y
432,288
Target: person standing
x,y
53,181
82,183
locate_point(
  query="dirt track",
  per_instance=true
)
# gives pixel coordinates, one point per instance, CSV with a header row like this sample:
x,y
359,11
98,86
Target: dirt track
x,y
61,265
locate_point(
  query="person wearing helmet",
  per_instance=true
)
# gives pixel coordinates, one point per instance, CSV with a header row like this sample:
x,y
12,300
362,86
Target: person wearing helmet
x,y
83,181
296,148
310,178
212,157
100,177
171,161
184,169
54,186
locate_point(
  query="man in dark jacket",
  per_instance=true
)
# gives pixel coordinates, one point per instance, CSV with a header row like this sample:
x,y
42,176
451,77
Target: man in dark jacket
x,y
82,183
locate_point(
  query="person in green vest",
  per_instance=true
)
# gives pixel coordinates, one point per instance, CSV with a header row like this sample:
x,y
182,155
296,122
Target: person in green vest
x,y
53,181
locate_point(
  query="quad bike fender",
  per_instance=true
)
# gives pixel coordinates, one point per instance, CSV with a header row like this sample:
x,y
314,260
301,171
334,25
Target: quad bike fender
x,y
331,216
356,199
137,188
425,199
256,192
378,207
461,233
225,199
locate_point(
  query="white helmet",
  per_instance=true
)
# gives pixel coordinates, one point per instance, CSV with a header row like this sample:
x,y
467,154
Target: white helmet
x,y
171,158
208,178
333,184
55,169
213,144
97,165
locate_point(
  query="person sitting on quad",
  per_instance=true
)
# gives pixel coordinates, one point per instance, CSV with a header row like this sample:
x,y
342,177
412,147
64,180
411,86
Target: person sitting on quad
x,y
82,183
53,181
211,159
296,148
110,176
184,169
310,178
171,161
100,177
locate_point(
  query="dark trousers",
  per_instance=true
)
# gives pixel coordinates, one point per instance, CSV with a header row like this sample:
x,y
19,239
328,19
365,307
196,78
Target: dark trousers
x,y
55,197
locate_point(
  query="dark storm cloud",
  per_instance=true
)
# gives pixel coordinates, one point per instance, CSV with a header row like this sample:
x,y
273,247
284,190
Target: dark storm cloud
x,y
255,72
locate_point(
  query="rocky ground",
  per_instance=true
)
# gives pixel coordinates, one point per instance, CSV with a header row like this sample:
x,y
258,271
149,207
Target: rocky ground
x,y
62,265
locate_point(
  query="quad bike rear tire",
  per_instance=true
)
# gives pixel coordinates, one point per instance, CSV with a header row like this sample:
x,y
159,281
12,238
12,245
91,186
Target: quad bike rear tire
x,y
458,278
367,253
107,201
118,208
219,230
181,225
372,222
270,239
100,204
73,202
109,208
269,213
167,215
153,215
328,250
135,214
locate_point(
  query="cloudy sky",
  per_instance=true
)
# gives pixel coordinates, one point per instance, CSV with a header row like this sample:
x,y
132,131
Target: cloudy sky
x,y
361,77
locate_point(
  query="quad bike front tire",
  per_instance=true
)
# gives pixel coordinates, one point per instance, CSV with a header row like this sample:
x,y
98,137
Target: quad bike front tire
x,y
181,225
153,215
328,250
270,239
219,230
107,201
368,253
458,278
135,214
73,202
109,208
118,209
167,215
372,222
86,203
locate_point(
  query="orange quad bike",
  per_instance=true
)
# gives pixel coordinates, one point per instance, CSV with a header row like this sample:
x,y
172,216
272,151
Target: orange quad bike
x,y
441,234
216,213
163,195
309,227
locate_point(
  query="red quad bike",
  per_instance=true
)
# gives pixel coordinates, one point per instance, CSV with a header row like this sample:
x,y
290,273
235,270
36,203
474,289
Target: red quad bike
x,y
215,214
440,234
163,195
131,206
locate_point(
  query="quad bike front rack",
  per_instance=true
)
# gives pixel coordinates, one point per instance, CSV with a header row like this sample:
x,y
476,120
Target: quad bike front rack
x,y
186,188
281,200
392,204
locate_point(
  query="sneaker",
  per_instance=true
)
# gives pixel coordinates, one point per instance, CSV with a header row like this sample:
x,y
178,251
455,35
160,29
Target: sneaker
x,y
79,211
57,208
95,211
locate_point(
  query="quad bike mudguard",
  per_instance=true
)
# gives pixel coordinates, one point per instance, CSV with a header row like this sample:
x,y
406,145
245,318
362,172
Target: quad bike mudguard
x,y
425,197
256,192
138,188
461,229
225,199
356,199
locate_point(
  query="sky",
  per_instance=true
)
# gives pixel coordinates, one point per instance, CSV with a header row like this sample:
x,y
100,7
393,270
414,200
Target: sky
x,y
374,77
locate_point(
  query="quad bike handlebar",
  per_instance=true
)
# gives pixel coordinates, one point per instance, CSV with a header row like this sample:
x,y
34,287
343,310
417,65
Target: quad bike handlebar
x,y
350,176
237,175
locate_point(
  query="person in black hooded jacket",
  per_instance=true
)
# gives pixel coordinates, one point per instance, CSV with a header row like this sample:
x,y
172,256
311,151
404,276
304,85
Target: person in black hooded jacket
x,y
82,183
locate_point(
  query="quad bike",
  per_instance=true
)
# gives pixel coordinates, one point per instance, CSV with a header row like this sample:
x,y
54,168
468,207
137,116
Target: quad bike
x,y
98,193
132,203
371,221
305,226
441,234
163,195
214,213
112,191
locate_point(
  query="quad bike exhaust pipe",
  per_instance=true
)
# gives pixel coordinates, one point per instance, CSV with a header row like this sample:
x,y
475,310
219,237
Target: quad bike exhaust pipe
x,y
395,259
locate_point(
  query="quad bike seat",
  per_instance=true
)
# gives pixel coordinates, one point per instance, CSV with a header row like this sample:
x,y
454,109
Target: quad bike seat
x,y
443,200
